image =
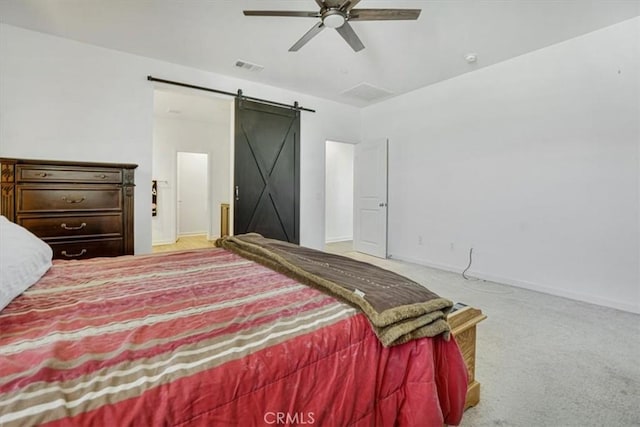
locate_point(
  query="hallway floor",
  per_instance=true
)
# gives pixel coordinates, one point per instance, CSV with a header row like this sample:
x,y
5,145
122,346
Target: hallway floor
x,y
185,242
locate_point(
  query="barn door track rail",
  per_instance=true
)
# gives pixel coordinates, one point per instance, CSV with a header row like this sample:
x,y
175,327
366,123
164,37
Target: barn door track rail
x,y
238,94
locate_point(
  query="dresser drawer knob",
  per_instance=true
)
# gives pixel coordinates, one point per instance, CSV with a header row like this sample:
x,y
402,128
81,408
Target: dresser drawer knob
x,y
42,174
80,227
101,176
80,200
82,252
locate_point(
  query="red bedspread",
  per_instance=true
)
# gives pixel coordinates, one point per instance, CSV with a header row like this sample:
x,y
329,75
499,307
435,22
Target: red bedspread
x,y
208,338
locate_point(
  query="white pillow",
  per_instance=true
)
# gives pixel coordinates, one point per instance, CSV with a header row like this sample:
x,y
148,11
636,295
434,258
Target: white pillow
x,y
23,260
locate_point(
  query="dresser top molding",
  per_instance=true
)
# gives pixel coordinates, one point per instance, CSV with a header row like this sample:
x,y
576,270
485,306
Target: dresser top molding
x,y
9,160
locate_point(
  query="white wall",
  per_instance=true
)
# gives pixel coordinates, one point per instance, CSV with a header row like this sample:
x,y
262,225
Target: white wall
x,y
61,99
339,191
533,162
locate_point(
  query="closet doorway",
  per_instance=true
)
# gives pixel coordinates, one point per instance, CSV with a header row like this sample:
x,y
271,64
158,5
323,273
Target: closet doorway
x,y
192,170
192,153
339,164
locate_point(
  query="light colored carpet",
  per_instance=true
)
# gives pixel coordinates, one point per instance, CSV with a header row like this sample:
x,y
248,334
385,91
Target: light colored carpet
x,y
541,360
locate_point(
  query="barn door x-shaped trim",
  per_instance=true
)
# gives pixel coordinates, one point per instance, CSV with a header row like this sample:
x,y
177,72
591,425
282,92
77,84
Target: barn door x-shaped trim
x,y
266,180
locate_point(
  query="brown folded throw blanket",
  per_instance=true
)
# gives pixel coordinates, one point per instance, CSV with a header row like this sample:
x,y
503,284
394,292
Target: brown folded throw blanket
x,y
398,308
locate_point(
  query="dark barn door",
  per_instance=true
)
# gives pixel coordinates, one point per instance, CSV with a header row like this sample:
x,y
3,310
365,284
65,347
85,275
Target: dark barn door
x,y
267,171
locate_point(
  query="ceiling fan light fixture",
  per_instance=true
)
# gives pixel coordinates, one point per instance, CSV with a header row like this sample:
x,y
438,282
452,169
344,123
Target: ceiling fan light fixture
x,y
334,19
338,14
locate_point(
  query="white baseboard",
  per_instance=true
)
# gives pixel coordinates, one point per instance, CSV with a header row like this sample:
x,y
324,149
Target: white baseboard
x,y
445,267
545,289
163,242
195,233
339,239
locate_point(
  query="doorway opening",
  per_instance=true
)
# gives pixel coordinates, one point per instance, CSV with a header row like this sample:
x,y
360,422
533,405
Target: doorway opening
x,y
339,191
192,153
192,170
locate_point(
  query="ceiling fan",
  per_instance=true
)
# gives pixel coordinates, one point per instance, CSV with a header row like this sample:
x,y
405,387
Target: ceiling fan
x,y
337,14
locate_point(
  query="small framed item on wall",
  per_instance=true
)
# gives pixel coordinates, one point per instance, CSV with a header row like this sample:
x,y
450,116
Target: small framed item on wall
x,y
154,198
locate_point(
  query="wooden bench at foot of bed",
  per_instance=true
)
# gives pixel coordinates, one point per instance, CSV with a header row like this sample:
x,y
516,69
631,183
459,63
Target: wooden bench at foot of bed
x,y
463,327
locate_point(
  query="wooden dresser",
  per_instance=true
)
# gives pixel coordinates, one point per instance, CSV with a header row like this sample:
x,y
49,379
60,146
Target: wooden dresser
x,y
82,210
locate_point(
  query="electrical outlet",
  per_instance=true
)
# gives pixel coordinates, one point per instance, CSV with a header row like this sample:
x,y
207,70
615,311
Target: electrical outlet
x,y
420,240
452,246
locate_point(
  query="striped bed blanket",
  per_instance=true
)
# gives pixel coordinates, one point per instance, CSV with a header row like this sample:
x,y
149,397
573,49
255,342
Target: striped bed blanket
x,y
206,337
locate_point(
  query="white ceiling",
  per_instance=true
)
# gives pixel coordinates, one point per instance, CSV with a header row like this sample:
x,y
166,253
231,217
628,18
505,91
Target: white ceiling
x,y
398,56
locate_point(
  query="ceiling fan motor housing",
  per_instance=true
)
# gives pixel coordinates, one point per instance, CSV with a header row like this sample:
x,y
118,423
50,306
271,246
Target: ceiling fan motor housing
x,y
334,18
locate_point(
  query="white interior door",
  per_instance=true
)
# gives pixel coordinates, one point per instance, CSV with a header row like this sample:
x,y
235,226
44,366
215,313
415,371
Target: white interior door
x,y
370,198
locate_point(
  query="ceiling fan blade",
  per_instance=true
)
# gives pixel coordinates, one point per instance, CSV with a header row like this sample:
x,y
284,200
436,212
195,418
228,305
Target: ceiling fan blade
x,y
331,3
347,33
290,13
383,14
347,5
308,36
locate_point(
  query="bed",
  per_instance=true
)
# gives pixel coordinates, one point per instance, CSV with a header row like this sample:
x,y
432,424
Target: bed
x,y
209,337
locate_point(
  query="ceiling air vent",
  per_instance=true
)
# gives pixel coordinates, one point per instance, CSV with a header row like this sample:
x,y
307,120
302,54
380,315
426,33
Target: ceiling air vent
x,y
249,66
366,92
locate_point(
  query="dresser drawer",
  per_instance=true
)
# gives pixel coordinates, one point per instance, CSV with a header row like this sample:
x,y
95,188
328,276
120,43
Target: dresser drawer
x,y
81,209
87,248
36,173
49,198
65,226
